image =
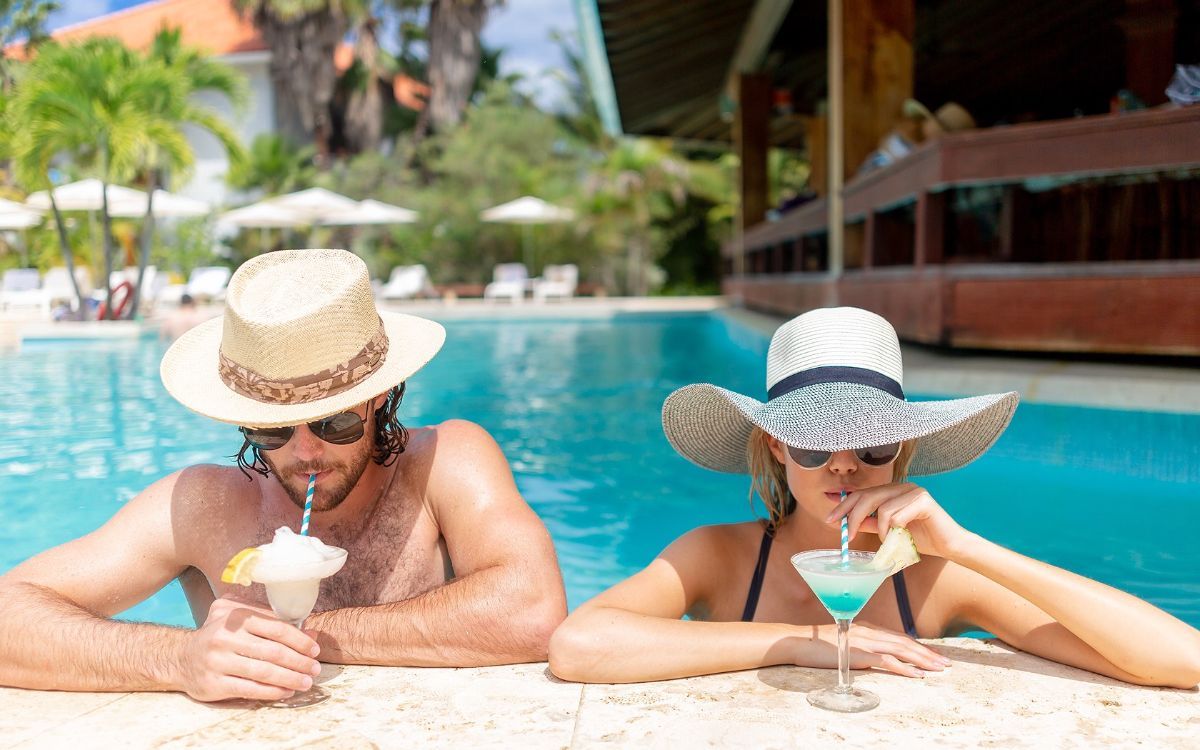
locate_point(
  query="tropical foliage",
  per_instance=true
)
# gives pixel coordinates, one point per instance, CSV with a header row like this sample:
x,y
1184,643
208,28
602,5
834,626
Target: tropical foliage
x,y
650,214
115,114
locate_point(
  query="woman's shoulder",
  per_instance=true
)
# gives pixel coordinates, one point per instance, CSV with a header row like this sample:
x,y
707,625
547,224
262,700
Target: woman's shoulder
x,y
725,540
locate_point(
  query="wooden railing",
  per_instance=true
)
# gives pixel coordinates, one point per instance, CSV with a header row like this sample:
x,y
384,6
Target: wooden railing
x,y
1109,306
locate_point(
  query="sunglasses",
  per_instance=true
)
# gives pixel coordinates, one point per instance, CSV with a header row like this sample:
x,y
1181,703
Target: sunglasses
x,y
880,455
339,429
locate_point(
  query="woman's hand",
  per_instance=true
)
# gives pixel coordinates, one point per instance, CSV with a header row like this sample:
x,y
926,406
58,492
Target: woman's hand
x,y
875,648
905,505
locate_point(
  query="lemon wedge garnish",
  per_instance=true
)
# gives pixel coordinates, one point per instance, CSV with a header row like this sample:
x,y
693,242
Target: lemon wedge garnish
x,y
241,566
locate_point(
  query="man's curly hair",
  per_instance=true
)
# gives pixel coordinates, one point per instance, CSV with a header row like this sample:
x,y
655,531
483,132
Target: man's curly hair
x,y
391,438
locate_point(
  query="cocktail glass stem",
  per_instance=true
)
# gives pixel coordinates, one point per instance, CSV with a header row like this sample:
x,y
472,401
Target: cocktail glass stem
x,y
843,685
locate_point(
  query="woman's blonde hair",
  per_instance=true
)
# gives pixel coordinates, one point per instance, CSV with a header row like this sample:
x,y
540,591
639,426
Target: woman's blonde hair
x,y
768,477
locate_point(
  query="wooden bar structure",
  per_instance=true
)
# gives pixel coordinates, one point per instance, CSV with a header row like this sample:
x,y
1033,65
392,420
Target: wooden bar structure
x,y
1104,306
1068,221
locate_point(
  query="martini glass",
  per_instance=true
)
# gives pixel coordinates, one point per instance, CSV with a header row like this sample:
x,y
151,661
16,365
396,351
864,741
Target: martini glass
x,y
292,590
843,588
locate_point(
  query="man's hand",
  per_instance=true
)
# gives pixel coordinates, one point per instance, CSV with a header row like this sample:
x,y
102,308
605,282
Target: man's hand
x,y
243,651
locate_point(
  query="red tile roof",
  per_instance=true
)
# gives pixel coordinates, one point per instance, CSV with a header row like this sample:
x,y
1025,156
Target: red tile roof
x,y
213,26
210,25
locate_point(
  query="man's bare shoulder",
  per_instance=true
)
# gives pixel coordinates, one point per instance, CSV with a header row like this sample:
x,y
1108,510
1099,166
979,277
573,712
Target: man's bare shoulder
x,y
449,447
450,439
209,484
198,495
460,465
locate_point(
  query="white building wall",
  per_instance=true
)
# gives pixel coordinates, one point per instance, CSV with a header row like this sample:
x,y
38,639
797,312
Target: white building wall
x,y
207,181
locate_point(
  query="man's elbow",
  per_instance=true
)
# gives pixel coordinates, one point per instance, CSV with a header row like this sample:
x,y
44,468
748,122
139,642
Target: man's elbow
x,y
539,620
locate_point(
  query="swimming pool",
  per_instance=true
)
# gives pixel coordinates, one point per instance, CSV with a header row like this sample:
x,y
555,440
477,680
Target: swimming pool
x,y
575,405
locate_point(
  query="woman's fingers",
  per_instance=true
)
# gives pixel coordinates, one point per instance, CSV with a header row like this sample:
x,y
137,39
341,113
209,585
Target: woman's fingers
x,y
893,664
862,510
895,512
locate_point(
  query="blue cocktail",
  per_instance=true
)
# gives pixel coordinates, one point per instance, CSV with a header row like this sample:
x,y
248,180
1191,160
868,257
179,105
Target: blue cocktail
x,y
844,588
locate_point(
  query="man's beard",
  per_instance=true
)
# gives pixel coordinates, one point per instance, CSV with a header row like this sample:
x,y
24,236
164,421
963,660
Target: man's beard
x,y
334,489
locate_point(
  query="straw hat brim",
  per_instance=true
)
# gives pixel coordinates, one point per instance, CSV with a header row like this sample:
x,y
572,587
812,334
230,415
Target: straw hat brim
x,y
710,426
189,372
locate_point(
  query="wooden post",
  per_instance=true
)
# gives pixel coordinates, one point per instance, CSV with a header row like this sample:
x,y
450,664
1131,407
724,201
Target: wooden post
x,y
751,137
878,73
835,135
816,142
930,230
870,237
1149,27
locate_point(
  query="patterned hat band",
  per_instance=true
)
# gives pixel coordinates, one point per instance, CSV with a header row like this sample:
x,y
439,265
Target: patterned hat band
x,y
836,374
306,388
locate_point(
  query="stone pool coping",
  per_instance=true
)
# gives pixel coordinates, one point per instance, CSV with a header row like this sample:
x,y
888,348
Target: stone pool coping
x,y
993,696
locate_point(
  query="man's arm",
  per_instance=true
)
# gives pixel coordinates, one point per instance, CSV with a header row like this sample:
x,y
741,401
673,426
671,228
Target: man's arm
x,y
507,597
55,631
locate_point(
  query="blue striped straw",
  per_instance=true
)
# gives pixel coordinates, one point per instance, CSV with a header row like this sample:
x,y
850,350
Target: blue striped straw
x,y
312,487
845,537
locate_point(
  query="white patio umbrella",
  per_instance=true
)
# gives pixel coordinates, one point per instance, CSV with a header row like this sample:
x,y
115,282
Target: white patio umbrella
x,y
371,212
20,219
166,205
263,215
527,211
15,215
84,195
314,204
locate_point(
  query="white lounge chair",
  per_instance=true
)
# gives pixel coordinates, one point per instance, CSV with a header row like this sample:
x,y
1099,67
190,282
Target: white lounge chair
x,y
556,281
407,282
57,287
22,288
208,282
152,285
508,280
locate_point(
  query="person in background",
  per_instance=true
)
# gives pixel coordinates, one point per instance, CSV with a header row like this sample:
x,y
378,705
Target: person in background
x,y
182,319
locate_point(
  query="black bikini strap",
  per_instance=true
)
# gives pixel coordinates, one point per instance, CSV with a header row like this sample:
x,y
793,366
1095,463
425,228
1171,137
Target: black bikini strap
x,y
760,572
906,615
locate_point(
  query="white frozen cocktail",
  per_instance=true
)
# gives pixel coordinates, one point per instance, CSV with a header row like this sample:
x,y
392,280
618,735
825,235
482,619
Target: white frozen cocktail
x,y
291,567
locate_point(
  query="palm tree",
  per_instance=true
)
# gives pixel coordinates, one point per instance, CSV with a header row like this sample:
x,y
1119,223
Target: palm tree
x,y
637,190
22,22
454,28
303,35
102,106
195,72
274,164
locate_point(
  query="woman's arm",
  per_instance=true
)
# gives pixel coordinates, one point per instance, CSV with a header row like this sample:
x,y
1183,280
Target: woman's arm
x,y
1082,622
633,631
1037,607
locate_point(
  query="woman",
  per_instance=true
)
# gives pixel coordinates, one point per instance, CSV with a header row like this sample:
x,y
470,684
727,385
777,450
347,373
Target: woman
x,y
837,439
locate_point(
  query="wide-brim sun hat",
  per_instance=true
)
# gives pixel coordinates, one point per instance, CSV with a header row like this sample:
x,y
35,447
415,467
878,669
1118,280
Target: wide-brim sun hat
x,y
300,340
834,382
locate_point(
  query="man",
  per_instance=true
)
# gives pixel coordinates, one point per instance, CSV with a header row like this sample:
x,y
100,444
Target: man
x,y
181,320
447,564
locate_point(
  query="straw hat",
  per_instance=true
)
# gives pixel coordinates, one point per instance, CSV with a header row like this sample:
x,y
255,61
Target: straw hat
x,y
300,340
834,382
949,118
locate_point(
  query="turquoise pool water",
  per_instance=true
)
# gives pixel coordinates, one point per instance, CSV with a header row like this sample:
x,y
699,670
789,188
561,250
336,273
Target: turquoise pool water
x,y
575,406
